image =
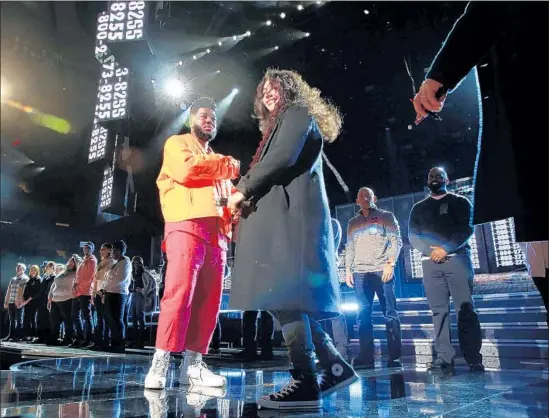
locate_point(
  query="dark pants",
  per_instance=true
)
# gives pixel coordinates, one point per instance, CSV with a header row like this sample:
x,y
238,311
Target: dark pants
x,y
366,286
137,309
101,328
115,304
82,317
453,278
542,283
30,322
44,321
249,330
62,312
305,337
16,321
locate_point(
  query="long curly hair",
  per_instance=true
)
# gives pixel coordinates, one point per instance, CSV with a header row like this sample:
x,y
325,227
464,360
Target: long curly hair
x,y
294,90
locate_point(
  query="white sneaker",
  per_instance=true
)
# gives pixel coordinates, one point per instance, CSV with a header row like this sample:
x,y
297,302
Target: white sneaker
x,y
158,404
195,372
156,377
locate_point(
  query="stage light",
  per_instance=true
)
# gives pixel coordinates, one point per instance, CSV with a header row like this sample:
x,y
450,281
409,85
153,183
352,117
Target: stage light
x,y
299,7
180,63
218,71
307,35
282,15
366,12
248,33
220,43
235,91
194,57
152,81
174,87
268,23
4,88
208,51
234,37
276,48
318,2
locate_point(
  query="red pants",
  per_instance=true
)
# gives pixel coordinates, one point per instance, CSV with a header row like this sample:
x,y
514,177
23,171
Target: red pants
x,y
192,293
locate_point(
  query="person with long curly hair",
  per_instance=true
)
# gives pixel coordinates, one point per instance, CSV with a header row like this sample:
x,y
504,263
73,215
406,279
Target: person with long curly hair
x,y
284,260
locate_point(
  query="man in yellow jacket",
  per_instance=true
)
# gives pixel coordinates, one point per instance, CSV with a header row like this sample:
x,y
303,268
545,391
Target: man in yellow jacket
x,y
194,185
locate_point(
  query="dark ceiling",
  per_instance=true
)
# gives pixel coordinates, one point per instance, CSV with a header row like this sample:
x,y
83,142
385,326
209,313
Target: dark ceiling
x,y
356,59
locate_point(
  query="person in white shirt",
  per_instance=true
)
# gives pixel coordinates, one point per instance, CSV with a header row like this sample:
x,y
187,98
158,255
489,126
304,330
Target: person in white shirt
x,y
114,293
60,303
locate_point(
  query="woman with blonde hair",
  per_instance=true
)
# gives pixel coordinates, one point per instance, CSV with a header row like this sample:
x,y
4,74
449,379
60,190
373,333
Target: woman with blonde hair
x,y
284,260
31,302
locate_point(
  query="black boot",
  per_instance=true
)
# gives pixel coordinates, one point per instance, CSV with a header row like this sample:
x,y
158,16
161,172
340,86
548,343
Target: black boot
x,y
248,354
266,353
301,393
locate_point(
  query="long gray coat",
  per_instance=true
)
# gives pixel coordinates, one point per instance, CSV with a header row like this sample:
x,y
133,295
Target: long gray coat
x,y
284,256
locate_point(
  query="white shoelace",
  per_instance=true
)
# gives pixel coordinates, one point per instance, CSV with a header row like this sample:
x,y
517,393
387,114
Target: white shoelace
x,y
286,390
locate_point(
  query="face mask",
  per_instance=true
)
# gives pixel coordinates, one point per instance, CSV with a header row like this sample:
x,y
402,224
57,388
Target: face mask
x,y
437,188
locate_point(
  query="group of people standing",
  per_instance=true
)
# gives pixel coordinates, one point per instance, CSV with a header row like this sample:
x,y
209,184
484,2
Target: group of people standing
x,y
83,303
278,215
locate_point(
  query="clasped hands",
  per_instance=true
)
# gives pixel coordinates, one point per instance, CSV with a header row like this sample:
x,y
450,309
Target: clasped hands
x,y
438,255
234,202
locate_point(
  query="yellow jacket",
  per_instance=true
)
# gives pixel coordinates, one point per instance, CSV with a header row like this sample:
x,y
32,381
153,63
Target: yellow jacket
x,y
192,179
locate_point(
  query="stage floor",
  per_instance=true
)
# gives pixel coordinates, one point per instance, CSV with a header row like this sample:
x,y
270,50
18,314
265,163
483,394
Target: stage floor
x,y
113,387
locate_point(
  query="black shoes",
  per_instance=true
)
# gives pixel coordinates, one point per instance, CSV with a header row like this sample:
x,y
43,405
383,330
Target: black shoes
x,y
339,375
476,367
440,364
266,354
394,363
246,355
302,393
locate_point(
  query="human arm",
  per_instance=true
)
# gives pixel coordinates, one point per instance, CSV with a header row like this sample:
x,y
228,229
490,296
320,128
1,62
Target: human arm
x,y
415,234
6,298
182,164
469,40
392,232
282,154
472,36
26,297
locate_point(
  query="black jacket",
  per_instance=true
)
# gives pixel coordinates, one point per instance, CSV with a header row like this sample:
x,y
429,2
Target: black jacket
x,y
508,42
284,258
45,286
32,288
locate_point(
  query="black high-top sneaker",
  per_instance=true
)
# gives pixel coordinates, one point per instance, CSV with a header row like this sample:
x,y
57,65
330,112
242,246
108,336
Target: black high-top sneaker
x,y
301,393
337,376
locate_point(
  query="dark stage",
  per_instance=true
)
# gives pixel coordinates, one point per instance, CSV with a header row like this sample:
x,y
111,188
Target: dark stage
x,y
112,386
